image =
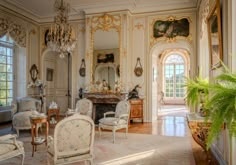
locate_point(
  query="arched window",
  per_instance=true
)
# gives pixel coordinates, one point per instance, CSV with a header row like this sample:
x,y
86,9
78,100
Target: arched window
x,y
174,72
6,70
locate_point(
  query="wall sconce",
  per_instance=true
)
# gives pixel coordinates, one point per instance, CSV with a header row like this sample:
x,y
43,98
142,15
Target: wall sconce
x,y
138,70
82,69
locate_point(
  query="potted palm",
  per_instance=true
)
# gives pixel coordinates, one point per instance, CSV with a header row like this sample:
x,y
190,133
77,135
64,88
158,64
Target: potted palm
x,y
222,104
217,99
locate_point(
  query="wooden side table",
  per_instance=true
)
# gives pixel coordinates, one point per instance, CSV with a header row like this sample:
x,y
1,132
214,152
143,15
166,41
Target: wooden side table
x,y
52,111
136,109
35,120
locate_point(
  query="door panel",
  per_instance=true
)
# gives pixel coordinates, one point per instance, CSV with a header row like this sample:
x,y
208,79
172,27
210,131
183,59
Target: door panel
x,y
62,84
56,87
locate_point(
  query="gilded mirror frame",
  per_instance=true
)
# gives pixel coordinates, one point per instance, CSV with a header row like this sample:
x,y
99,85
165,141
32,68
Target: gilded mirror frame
x,y
215,35
104,22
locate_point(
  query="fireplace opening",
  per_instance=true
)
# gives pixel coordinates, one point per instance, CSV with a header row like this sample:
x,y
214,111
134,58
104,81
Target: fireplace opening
x,y
101,109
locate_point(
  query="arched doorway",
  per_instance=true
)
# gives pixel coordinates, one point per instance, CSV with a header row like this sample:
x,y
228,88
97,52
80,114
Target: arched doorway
x,y
174,65
158,53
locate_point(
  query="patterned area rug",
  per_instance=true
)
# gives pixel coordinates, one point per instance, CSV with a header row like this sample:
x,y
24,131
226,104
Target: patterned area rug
x,y
137,149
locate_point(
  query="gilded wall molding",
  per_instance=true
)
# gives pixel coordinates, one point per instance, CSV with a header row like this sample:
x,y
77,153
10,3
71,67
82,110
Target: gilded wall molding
x,y
106,22
138,26
32,31
16,31
154,40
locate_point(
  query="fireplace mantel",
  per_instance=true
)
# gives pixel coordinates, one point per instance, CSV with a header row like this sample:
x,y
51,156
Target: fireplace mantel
x,y
105,98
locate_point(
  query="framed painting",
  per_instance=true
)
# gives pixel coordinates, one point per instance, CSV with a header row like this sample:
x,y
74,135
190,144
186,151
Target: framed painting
x,y
171,28
215,35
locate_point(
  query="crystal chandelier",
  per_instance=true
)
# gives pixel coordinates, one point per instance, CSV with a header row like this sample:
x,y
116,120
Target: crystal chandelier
x,y
60,36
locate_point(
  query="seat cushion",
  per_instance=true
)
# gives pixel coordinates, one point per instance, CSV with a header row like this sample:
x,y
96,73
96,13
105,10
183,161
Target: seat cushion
x,y
26,105
22,119
8,146
112,121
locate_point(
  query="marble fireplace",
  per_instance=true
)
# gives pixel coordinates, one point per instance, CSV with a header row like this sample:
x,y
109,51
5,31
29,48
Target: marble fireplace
x,y
104,102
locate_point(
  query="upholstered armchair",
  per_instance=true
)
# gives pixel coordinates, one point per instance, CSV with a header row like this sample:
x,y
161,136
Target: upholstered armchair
x,y
83,107
119,121
73,140
10,147
25,108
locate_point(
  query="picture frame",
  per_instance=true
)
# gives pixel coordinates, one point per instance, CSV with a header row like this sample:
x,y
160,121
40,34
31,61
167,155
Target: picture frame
x,y
171,28
215,35
49,75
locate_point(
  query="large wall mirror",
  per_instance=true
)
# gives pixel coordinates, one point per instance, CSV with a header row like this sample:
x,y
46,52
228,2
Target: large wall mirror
x,y
105,34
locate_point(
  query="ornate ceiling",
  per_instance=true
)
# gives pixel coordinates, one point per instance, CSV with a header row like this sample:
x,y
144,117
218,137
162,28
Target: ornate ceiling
x,y
43,11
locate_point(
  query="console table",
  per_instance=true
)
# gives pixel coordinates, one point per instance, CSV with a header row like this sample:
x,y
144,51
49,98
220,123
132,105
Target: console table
x,y
199,128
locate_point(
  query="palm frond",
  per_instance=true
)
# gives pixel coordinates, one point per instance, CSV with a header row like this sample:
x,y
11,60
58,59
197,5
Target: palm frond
x,y
222,105
195,88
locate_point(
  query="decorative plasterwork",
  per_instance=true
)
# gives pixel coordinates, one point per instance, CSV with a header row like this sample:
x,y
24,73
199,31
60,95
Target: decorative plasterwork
x,y
42,11
106,22
82,29
154,40
203,13
139,26
17,32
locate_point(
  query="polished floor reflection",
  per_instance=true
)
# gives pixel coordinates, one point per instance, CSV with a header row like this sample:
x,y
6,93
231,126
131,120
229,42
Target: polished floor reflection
x,y
171,121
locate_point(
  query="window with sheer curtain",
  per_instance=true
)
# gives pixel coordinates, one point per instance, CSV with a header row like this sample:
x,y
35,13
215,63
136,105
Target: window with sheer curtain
x,y
6,70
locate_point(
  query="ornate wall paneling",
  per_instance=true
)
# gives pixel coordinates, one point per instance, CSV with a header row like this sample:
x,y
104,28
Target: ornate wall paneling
x,y
138,52
81,54
124,50
203,55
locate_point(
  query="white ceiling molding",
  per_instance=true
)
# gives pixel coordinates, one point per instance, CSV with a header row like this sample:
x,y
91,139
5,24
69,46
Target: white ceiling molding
x,y
43,10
